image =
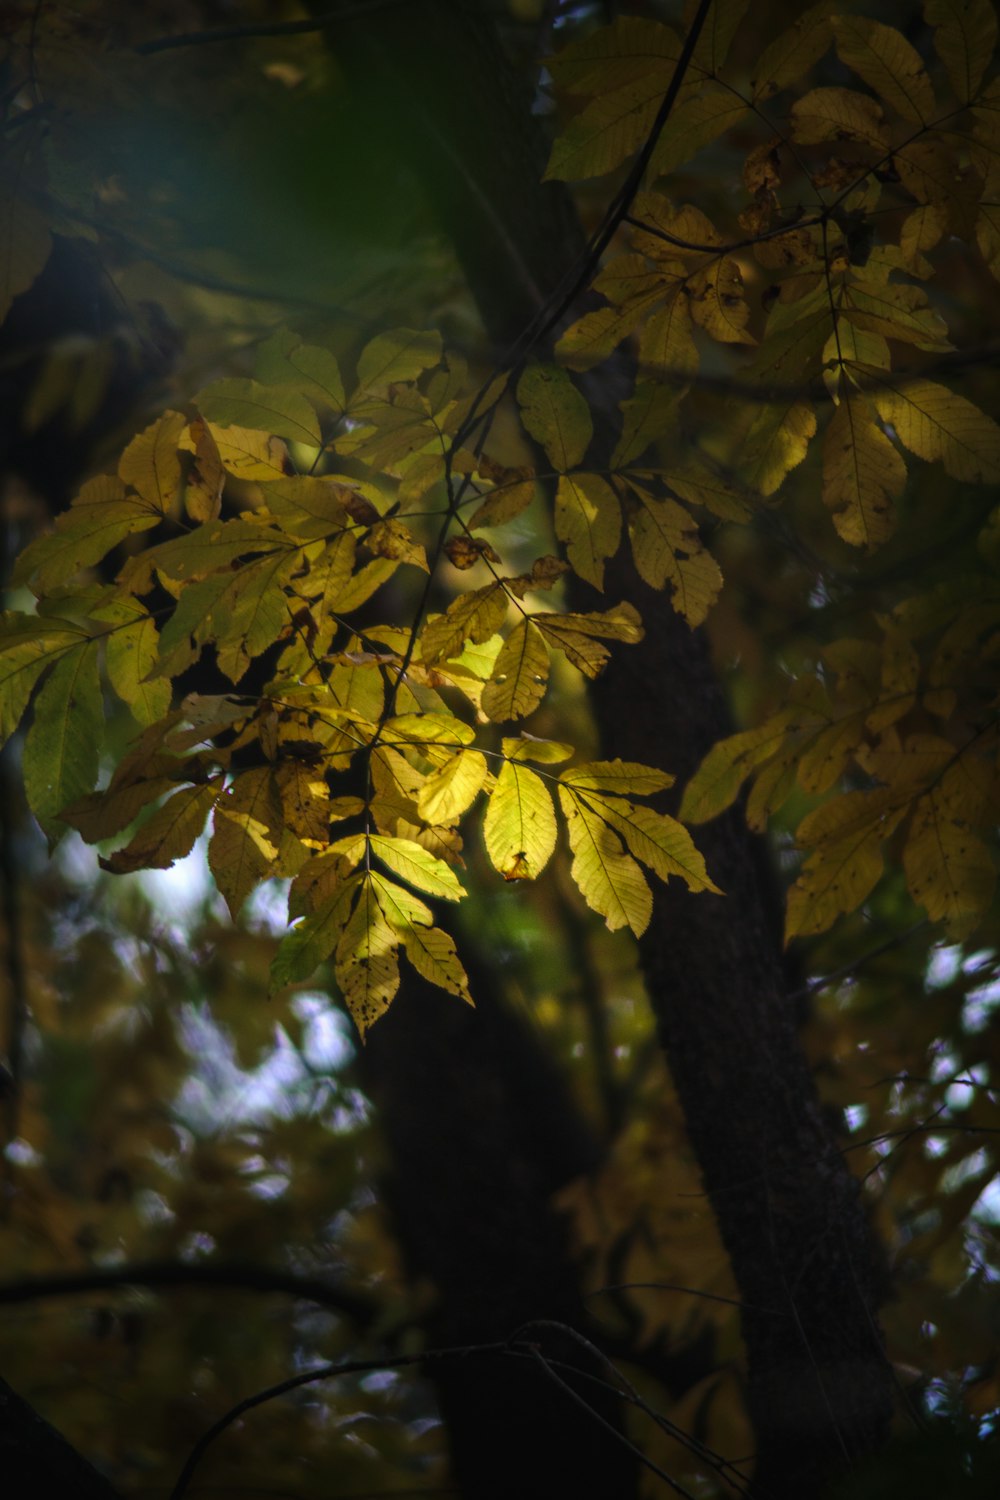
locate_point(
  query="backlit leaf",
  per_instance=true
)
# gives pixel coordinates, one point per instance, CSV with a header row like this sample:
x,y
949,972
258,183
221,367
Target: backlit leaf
x,y
888,63
935,423
278,409
395,357
609,880
862,475
949,870
168,835
520,824
520,675
414,864
451,790
836,114
667,549
366,967
964,37
589,520
556,414
151,465
470,617
62,747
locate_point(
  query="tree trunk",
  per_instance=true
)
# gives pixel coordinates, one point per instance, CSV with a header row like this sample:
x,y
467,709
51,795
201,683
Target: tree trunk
x,y
818,1383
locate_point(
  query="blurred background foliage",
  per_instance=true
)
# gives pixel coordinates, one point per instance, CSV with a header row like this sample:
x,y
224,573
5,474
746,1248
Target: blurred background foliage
x,y
162,211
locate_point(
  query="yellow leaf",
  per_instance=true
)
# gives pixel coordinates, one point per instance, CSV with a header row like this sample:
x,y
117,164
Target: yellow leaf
x,y
667,548
448,792
366,967
62,747
168,835
511,495
150,463
696,121
305,802
360,587
835,879
721,23
415,865
964,38
834,114
309,507
249,454
649,413
888,63
101,516
935,423
717,781
434,956
625,777
520,675
615,55
666,344
27,648
597,334
556,414
305,947
393,539
609,880
896,312
247,825
396,357
776,442
130,654
206,476
791,55
431,951
610,128
283,360
949,870
698,484
544,752
589,520
520,824
862,475
718,303
470,617
654,838
574,634
278,409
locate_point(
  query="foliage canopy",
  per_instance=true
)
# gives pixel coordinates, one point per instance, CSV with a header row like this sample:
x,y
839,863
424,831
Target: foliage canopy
x,y
347,599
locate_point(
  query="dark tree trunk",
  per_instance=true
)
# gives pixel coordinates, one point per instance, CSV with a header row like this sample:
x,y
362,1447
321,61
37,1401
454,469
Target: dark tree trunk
x,y
789,1212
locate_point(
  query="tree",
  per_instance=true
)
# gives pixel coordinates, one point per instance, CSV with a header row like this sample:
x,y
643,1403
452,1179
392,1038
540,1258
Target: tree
x,y
747,389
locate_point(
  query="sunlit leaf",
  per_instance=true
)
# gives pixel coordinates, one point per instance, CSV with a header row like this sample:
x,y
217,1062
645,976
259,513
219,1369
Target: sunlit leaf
x,y
520,824
520,675
556,414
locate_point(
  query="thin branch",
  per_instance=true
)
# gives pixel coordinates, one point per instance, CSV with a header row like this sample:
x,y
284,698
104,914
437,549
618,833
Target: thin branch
x,y
216,34
224,1275
311,1377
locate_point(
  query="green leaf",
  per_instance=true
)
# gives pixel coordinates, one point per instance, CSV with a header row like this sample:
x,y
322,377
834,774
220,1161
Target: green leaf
x,y
283,360
556,414
130,655
544,752
27,648
62,747
716,783
100,517
306,946
278,409
520,824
